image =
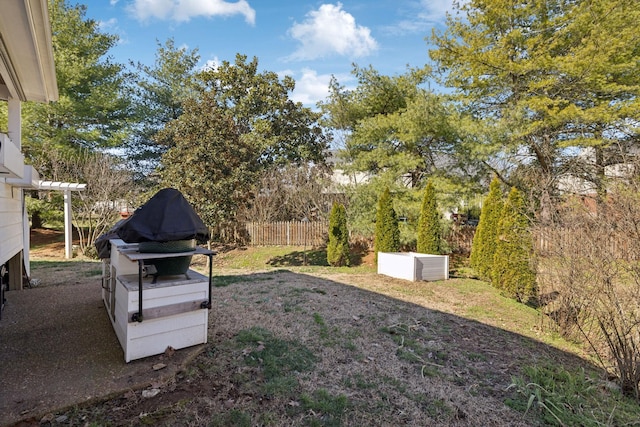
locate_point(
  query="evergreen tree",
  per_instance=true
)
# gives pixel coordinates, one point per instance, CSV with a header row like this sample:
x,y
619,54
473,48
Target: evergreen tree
x,y
512,267
338,246
542,76
159,92
92,111
387,237
429,230
483,247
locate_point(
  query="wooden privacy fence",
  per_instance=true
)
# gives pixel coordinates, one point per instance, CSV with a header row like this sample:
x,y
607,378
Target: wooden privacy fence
x,y
460,238
567,241
288,233
314,233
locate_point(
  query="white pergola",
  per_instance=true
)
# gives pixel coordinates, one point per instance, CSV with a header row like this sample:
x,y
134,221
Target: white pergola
x,y
67,188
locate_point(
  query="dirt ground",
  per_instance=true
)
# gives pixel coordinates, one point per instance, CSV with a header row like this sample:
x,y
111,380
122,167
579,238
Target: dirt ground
x,y
288,347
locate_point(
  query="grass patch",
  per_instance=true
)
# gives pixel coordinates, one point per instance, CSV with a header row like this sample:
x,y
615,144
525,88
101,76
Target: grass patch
x,y
359,381
50,264
232,418
278,359
53,273
331,336
91,273
253,258
413,347
228,280
328,409
313,257
555,396
301,291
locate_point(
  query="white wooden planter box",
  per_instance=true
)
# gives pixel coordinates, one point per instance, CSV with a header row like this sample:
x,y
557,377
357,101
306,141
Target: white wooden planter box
x,y
413,266
172,314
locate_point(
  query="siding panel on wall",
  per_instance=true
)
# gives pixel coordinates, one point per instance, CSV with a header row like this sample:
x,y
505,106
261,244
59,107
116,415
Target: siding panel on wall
x,y
10,222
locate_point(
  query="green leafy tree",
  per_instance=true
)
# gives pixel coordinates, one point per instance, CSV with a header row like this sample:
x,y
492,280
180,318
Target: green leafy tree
x,y
387,238
338,245
539,77
513,270
281,131
209,162
391,125
240,125
92,111
396,132
159,92
429,228
483,248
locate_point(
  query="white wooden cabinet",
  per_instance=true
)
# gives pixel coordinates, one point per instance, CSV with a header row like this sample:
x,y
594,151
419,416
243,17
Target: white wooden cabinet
x,y
175,309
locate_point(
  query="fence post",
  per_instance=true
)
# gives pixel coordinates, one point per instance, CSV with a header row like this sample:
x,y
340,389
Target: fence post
x,y
288,233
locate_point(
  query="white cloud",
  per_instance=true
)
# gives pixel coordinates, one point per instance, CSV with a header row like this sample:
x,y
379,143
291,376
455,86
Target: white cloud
x,y
112,26
311,87
211,64
184,10
330,30
108,25
422,16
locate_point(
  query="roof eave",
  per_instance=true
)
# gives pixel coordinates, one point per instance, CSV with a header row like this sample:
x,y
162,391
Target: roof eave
x,y
26,52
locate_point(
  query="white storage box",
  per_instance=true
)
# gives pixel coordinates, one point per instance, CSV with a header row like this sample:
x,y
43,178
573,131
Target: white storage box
x,y
174,311
172,314
413,266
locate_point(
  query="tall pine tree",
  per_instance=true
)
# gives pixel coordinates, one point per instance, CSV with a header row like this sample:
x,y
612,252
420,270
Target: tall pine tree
x,y
387,237
543,76
484,241
92,111
429,230
512,265
338,246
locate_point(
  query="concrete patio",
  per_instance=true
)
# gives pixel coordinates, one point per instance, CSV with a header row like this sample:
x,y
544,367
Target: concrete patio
x,y
58,349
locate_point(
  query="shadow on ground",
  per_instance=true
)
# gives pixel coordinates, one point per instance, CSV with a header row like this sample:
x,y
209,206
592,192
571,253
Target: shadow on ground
x,y
314,257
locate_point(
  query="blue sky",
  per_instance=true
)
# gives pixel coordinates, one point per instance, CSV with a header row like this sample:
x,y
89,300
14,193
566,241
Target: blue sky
x,y
309,40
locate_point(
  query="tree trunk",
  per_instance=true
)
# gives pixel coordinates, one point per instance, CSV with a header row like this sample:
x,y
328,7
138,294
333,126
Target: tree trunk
x,y
36,220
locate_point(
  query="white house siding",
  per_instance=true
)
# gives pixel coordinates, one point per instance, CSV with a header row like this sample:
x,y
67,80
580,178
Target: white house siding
x,y
11,227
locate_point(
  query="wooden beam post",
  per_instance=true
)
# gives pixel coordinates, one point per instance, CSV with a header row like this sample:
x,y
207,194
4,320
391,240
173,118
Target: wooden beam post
x,y
68,230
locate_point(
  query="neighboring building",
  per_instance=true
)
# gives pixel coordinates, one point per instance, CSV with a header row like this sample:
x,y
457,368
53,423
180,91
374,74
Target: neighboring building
x,y
340,178
572,185
27,73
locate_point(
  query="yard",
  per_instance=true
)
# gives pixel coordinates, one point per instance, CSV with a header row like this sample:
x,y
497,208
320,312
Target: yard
x,y
294,342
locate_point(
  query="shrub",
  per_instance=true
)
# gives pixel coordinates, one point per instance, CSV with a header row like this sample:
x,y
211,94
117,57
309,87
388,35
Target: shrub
x,y
429,229
589,264
338,246
483,247
512,265
387,238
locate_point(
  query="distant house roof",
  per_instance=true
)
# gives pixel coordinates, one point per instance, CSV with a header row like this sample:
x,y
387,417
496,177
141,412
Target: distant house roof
x,y
27,70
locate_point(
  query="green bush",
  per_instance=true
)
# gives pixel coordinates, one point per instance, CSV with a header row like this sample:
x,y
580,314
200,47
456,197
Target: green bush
x,y
483,247
338,246
512,265
429,229
387,237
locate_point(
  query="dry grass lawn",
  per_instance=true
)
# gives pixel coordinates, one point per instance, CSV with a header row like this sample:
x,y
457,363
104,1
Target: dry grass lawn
x,y
311,345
